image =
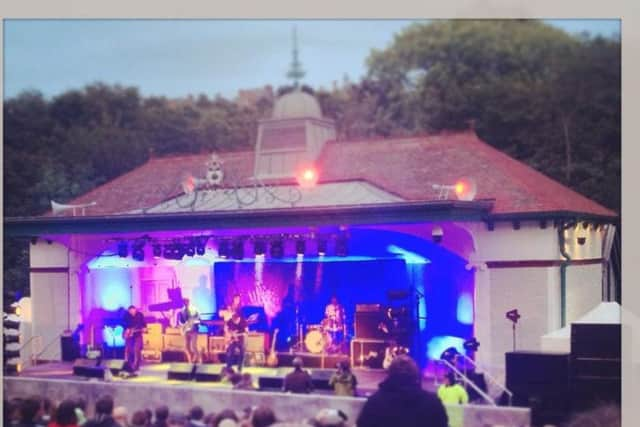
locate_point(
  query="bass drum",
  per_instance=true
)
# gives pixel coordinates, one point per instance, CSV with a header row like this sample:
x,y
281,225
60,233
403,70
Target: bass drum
x,y
316,341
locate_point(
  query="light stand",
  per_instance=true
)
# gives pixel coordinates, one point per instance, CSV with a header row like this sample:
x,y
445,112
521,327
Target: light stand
x,y
513,316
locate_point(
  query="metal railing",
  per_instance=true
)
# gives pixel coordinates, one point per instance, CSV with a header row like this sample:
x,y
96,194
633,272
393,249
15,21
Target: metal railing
x,y
468,382
35,342
492,379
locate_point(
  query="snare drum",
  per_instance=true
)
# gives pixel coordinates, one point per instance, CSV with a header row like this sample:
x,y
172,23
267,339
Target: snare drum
x,y
316,341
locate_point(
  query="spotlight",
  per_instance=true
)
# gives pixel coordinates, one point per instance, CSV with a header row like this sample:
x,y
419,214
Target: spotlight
x,y
123,249
582,235
190,249
513,315
201,244
277,249
342,246
237,249
137,251
223,249
157,250
471,345
436,234
168,251
322,247
259,247
300,247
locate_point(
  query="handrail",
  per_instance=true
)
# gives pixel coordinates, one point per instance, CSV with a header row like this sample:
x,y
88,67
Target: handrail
x,y
493,380
469,382
47,346
34,338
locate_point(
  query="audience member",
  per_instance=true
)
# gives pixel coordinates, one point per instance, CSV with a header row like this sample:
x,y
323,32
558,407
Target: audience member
x,y
226,415
245,383
48,409
30,412
401,401
209,418
177,420
343,381
162,413
452,393
139,419
262,417
65,415
104,414
606,415
330,418
298,381
148,417
121,415
81,408
196,415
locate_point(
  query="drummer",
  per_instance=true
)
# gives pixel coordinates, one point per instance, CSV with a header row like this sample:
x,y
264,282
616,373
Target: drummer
x,y
334,320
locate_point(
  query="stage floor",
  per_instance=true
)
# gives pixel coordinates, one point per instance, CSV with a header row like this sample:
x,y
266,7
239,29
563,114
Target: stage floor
x,y
156,373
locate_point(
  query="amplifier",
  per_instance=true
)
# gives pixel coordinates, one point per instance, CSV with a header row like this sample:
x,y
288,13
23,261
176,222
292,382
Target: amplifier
x,y
154,328
172,331
173,342
152,342
367,352
366,325
254,358
256,342
151,355
590,340
217,344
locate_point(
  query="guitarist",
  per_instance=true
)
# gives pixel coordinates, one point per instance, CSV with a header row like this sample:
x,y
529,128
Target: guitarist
x,y
235,330
134,325
188,321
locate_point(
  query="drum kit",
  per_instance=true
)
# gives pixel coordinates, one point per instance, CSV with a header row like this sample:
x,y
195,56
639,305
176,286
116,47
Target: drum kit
x,y
326,337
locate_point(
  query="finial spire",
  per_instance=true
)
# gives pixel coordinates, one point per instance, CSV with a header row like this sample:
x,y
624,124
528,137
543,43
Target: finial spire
x,y
295,72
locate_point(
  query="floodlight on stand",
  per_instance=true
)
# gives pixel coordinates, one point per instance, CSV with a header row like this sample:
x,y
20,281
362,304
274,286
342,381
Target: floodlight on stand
x,y
513,315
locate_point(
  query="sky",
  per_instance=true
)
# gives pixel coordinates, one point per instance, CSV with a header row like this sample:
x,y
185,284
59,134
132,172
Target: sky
x,y
176,58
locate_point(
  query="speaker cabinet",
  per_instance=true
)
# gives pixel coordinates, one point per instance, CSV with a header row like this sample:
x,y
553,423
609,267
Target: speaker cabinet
x,y
540,381
88,368
173,342
367,352
366,325
590,340
217,344
255,342
207,373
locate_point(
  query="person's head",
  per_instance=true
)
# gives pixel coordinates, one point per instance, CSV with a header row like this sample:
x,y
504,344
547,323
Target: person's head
x,y
297,363
246,378
48,407
149,415
104,405
235,378
330,418
176,420
196,413
30,409
236,300
263,417
139,419
66,413
121,415
450,378
343,366
132,310
404,369
162,413
81,404
226,414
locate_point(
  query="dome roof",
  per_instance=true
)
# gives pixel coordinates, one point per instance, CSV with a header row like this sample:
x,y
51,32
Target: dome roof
x,y
297,104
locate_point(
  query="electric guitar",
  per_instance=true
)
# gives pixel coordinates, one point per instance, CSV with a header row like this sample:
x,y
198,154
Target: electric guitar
x,y
187,326
129,332
272,359
232,337
391,353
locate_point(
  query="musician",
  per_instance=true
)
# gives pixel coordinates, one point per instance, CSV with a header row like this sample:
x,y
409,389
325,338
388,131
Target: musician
x,y
234,307
188,321
134,325
334,322
235,330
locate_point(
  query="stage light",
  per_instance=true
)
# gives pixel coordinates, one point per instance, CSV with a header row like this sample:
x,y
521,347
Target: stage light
x,y
123,249
157,250
436,234
277,249
513,315
137,251
237,249
307,177
322,247
201,244
190,248
582,235
223,249
300,247
465,189
259,247
168,251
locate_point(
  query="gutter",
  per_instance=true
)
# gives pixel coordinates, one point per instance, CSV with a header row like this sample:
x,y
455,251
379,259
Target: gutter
x,y
563,273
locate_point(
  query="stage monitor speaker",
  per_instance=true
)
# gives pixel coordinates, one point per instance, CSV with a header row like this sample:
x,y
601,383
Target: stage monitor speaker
x,y
270,382
88,368
114,365
174,356
366,325
181,371
591,340
207,373
320,378
367,352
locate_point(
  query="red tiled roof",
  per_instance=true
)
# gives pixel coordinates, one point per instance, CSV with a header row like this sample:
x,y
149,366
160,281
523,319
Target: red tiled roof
x,y
406,167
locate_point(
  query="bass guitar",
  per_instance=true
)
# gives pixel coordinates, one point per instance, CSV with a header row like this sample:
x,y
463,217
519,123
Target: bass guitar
x,y
272,359
129,332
